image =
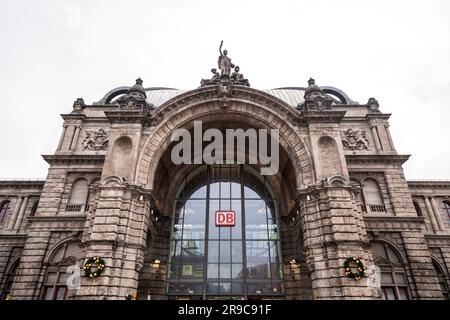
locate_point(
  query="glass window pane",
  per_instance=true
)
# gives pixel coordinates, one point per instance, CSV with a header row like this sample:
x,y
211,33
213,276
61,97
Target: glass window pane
x,y
194,219
225,190
235,190
403,294
213,251
61,293
225,251
214,190
225,271
388,293
225,288
237,271
237,288
213,270
213,288
48,293
236,251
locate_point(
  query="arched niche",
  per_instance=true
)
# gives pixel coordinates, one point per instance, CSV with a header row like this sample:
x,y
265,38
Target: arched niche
x,y
121,157
329,158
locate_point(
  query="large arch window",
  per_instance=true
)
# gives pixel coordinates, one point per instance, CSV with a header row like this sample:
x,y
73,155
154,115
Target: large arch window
x,y
55,285
6,294
394,285
4,209
208,261
373,196
446,208
440,274
78,196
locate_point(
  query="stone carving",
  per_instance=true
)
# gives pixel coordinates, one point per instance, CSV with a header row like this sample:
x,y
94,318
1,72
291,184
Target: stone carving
x,y
238,78
315,98
213,80
224,92
135,99
224,62
373,105
95,140
355,140
78,104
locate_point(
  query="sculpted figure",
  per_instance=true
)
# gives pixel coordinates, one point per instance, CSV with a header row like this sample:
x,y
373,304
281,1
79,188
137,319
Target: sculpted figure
x,y
224,62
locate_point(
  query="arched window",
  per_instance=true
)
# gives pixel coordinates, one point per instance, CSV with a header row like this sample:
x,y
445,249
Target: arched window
x,y
394,284
442,281
55,285
6,294
373,196
34,208
211,258
4,208
78,196
417,207
446,208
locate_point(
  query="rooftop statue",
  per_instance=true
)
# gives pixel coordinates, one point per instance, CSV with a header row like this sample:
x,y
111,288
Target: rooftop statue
x,y
238,78
224,62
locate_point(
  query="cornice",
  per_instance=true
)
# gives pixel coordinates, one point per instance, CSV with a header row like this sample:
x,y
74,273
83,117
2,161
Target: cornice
x,y
128,116
392,223
330,116
22,184
376,158
439,184
74,159
73,116
378,116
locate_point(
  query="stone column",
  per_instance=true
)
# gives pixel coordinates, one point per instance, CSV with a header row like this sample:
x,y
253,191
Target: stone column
x,y
375,137
73,146
437,213
61,140
21,213
431,214
17,207
389,136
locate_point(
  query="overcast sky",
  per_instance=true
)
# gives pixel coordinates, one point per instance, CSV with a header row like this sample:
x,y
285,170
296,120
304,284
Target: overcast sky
x,y
53,51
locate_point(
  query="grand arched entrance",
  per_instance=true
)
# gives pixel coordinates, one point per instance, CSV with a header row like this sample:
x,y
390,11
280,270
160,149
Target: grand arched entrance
x,y
209,261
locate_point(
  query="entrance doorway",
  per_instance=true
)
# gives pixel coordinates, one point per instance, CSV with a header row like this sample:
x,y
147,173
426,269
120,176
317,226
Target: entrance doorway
x,y
210,259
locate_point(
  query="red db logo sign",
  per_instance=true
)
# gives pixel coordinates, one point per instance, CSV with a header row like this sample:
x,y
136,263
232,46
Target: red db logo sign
x,y
225,218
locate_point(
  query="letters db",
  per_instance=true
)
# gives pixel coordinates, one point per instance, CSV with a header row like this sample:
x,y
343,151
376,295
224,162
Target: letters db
x,y
225,218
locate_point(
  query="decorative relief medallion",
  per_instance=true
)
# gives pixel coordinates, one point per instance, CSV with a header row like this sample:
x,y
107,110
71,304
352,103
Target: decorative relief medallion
x,y
95,140
355,140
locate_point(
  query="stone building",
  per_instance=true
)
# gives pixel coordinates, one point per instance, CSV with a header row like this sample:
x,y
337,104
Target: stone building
x,y
113,192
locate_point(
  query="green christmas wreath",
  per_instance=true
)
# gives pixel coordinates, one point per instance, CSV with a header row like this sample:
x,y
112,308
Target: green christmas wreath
x,y
94,267
359,265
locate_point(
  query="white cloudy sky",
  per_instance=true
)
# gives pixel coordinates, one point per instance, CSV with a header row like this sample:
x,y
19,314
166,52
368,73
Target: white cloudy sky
x,y
53,51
